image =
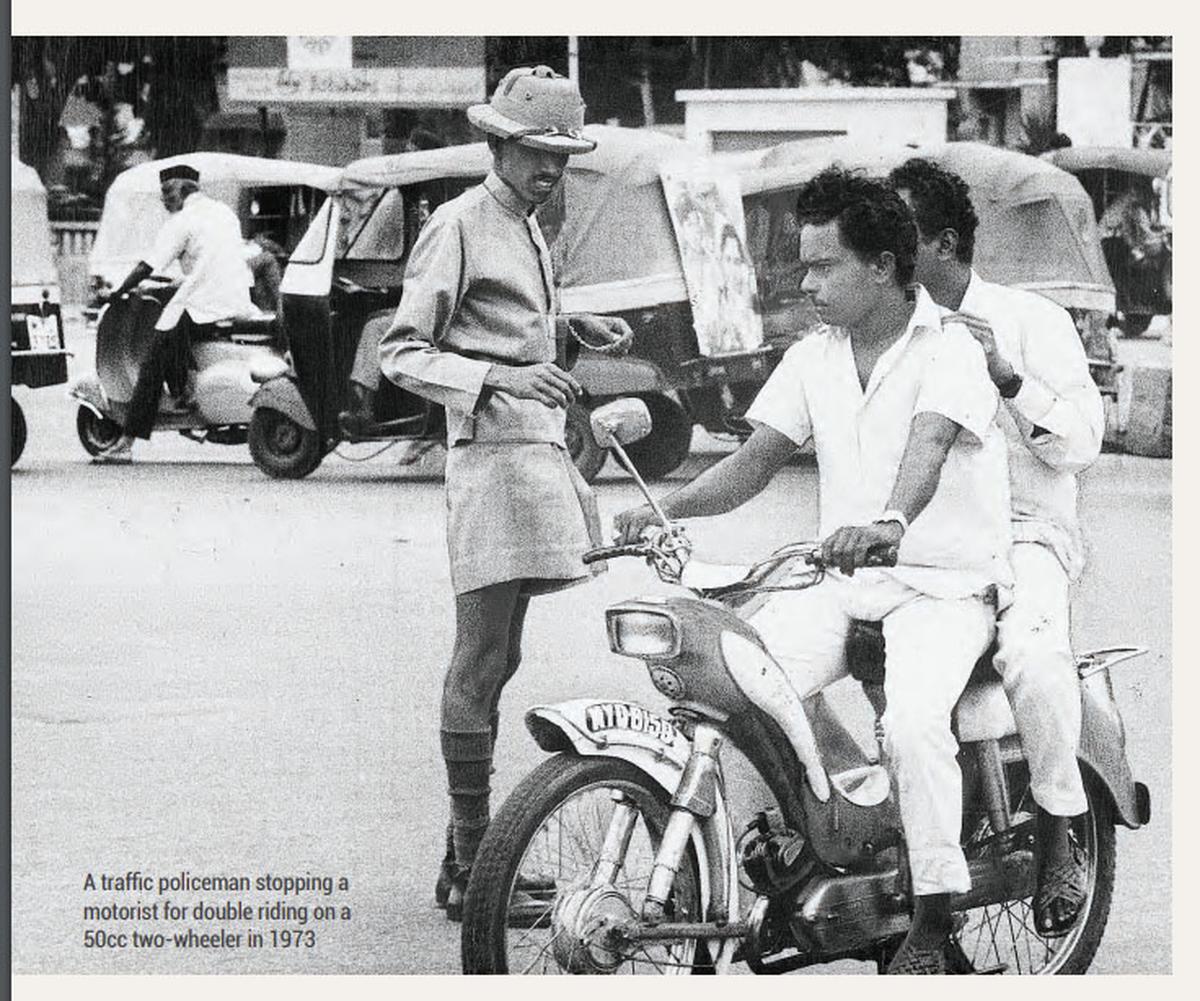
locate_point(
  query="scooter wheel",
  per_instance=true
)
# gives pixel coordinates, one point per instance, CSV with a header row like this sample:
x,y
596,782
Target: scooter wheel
x,y
96,433
19,432
282,448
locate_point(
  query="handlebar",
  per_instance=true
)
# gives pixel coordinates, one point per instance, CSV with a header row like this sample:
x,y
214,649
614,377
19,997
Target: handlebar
x,y
612,552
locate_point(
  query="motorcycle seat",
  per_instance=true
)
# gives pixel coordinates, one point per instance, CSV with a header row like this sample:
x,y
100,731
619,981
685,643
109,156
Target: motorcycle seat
x,y
259,329
982,712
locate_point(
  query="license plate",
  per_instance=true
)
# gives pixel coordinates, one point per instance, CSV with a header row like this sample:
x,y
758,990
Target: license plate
x,y
43,332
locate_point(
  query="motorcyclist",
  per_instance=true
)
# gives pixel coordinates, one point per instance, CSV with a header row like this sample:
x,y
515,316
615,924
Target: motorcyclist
x,y
205,236
1053,423
901,413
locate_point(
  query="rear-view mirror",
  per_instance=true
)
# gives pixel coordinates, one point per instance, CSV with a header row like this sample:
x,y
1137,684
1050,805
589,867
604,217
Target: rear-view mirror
x,y
621,421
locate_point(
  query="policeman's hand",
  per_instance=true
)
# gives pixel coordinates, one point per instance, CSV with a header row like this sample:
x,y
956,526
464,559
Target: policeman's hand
x,y
629,525
544,382
999,370
862,545
606,334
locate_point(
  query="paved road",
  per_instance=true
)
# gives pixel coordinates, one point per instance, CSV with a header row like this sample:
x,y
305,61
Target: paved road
x,y
218,674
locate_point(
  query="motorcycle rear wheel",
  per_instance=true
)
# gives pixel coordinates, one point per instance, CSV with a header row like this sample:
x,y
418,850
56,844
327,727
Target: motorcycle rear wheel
x,y
1004,934
551,829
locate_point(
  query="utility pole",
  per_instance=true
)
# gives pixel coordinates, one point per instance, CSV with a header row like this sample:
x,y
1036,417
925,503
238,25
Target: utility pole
x,y
573,57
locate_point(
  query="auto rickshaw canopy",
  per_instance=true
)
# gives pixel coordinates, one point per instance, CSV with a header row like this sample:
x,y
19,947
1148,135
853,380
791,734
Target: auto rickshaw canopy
x,y
1036,229
1147,162
32,248
133,211
616,248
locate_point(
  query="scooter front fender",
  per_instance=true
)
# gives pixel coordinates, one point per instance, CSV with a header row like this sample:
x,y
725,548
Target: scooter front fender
x,y
88,391
282,394
616,728
1102,750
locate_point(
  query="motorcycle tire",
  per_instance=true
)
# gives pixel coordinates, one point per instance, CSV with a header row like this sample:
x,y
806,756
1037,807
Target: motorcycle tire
x,y
508,929
1003,935
669,442
280,447
20,431
96,433
585,451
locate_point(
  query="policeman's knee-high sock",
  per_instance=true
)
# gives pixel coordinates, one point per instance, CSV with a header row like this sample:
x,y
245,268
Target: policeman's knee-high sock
x,y
468,755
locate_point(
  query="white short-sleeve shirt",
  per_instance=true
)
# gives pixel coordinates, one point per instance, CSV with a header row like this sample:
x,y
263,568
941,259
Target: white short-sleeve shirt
x,y
959,544
206,238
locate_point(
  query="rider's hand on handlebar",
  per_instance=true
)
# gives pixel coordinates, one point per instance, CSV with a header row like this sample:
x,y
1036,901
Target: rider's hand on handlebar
x,y
629,525
544,382
855,546
606,334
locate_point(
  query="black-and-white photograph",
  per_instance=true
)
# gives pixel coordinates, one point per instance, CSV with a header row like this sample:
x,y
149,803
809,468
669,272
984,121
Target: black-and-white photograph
x,y
591,504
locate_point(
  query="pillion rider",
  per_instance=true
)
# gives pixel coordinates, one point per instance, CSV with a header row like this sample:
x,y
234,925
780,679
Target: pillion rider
x,y
901,413
1053,423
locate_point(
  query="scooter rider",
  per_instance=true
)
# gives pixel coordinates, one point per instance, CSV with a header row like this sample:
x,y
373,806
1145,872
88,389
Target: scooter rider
x,y
205,236
476,331
1053,422
901,413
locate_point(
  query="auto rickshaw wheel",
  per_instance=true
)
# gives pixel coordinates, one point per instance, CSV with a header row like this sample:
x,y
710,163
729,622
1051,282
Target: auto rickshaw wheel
x,y
282,448
96,433
670,439
585,451
20,431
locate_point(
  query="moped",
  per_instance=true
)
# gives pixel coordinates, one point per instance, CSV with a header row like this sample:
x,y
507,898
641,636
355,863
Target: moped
x,y
627,835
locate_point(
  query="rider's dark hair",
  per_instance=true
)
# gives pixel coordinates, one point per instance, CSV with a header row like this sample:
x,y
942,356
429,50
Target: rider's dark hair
x,y
871,217
941,200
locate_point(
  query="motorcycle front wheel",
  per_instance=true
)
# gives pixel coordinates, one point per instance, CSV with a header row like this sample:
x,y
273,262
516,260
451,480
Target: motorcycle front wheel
x,y
1003,935
95,433
532,907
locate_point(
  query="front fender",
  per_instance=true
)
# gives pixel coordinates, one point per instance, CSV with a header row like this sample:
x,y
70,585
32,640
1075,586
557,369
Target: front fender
x,y
1102,750
282,394
650,742
88,391
603,376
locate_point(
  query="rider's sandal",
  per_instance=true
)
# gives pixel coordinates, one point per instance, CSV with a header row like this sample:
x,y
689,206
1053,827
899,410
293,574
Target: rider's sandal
x,y
1064,882
911,960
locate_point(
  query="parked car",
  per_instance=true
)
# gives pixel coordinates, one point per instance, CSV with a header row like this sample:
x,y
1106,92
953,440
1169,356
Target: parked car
x,y
39,353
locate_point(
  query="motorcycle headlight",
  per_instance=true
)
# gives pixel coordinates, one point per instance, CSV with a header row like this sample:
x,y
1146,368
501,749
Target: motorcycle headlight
x,y
643,634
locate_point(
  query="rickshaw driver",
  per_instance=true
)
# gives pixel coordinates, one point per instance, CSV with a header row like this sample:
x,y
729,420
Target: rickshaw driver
x,y
902,415
476,331
204,235
1053,423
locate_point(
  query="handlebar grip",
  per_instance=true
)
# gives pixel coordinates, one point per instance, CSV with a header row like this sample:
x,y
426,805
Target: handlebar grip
x,y
611,552
884,556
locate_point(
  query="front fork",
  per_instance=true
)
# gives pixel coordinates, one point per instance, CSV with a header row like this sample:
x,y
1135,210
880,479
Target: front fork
x,y
694,799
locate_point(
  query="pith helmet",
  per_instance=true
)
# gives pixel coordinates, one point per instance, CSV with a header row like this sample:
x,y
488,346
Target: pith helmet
x,y
538,108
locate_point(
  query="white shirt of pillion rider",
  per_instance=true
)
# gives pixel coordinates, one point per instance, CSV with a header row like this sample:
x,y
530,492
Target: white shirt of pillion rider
x,y
1054,426
958,546
206,238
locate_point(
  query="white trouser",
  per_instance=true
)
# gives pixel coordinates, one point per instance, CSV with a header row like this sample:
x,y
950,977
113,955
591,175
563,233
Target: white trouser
x,y
932,645
1034,660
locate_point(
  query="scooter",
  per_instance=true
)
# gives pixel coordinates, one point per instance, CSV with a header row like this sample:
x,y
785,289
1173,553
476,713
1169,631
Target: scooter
x,y
220,382
626,833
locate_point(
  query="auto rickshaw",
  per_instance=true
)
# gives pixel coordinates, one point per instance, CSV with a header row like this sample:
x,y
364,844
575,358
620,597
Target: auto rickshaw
x,y
39,354
275,200
1036,230
1130,191
615,251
